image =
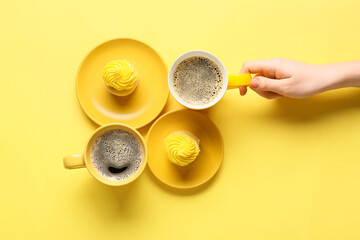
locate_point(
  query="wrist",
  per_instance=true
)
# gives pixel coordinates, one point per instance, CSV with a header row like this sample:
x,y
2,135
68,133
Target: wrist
x,y
341,75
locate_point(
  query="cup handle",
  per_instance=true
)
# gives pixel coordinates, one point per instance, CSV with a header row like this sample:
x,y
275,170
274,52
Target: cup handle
x,y
239,80
74,161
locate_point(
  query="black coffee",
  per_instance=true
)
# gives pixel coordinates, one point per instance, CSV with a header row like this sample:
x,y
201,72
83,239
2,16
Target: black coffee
x,y
197,80
116,154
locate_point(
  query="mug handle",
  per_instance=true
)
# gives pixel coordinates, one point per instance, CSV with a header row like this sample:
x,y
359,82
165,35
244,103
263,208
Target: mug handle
x,y
74,161
235,81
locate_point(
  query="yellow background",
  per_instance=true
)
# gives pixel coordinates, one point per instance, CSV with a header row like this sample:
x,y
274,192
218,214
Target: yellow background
x,y
291,168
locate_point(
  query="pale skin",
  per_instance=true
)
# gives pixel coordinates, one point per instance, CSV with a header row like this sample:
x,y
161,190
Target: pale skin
x,y
277,77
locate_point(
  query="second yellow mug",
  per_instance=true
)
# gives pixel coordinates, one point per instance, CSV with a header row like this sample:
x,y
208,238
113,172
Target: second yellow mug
x,y
84,159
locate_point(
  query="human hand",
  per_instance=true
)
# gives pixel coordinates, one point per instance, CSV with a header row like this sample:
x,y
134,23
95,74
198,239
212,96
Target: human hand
x,y
279,77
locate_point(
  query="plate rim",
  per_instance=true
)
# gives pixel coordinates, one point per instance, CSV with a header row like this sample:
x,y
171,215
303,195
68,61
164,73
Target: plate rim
x,y
206,180
81,64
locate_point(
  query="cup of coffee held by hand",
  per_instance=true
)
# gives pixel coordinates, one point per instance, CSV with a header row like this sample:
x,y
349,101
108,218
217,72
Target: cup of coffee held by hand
x,y
198,79
115,154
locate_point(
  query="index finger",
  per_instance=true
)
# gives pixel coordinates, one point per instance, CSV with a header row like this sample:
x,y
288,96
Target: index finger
x,y
265,67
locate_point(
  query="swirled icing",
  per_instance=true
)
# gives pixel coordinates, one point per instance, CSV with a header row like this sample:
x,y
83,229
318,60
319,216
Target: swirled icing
x,y
120,74
181,148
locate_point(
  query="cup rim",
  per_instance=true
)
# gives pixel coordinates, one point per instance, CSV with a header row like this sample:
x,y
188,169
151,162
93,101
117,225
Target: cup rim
x,y
89,165
200,53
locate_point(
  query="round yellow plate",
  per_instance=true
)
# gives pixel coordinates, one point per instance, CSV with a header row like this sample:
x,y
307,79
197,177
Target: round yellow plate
x,y
140,107
205,165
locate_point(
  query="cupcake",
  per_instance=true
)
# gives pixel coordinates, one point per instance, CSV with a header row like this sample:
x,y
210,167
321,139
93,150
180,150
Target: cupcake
x,y
182,148
120,77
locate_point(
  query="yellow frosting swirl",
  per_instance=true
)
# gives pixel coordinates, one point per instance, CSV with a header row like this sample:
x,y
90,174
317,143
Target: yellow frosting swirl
x,y
181,149
120,74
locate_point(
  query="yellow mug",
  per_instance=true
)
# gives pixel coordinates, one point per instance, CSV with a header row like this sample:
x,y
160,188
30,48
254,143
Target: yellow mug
x,y
229,81
84,160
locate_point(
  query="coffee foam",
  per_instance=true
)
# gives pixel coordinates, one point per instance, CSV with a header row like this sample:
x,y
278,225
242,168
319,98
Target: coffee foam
x,y
197,80
117,149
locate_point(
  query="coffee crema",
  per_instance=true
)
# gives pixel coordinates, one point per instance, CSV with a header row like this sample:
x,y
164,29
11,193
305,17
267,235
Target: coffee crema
x,y
197,80
117,154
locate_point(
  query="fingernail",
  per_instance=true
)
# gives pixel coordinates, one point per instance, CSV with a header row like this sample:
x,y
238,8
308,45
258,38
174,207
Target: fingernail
x,y
254,83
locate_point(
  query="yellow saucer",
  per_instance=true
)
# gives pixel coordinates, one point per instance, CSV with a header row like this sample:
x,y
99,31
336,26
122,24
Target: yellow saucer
x,y
140,107
205,165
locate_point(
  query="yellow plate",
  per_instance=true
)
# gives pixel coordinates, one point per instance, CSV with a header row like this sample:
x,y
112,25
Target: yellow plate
x,y
205,165
140,107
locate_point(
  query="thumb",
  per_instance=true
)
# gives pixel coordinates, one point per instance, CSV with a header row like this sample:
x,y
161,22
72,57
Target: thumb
x,y
267,84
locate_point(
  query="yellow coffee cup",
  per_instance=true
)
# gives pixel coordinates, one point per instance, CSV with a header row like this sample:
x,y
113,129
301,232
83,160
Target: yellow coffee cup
x,y
84,160
231,81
